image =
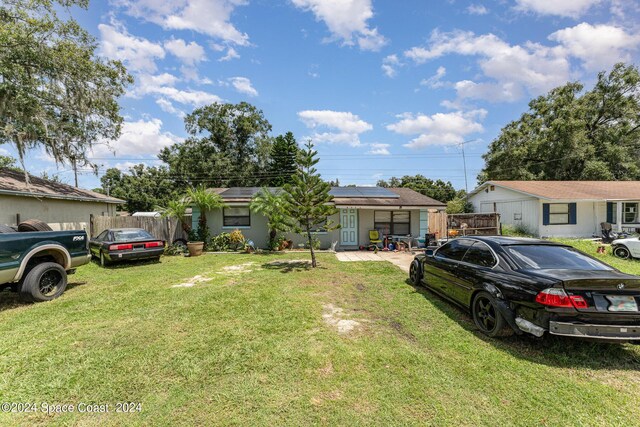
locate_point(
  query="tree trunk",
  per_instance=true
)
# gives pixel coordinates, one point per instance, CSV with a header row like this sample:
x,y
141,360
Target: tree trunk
x,y
313,254
272,237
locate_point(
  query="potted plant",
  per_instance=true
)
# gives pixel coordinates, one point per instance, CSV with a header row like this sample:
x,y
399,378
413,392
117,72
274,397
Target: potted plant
x,y
205,201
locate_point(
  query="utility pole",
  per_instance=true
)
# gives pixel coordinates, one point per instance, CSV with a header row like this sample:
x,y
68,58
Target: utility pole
x,y
464,164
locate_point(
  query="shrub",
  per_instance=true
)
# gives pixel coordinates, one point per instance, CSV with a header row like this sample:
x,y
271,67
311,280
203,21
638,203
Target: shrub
x,y
176,249
221,242
236,239
519,230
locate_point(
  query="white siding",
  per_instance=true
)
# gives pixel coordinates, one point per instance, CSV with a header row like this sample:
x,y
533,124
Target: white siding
x,y
589,215
515,209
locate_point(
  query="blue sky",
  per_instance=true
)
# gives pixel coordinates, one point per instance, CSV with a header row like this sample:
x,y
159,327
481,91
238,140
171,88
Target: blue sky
x,y
384,88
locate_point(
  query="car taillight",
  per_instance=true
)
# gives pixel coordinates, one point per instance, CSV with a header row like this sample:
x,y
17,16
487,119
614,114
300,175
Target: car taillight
x,y
555,297
120,247
153,244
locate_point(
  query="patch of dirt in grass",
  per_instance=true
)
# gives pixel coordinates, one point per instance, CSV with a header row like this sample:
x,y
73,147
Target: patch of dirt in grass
x,y
326,370
402,331
335,316
195,280
327,396
237,269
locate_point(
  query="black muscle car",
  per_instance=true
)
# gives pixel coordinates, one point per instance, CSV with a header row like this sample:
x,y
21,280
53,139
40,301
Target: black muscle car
x,y
534,286
122,244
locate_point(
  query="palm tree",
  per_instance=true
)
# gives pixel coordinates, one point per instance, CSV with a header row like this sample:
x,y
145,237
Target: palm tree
x,y
177,209
205,201
271,205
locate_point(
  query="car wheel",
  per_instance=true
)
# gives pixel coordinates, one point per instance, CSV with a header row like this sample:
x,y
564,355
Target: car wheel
x,y
415,273
103,261
486,315
621,252
44,282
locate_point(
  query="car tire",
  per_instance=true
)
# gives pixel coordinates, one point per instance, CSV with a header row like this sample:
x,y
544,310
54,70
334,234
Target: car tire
x,y
622,252
103,260
31,225
6,229
487,317
415,273
44,282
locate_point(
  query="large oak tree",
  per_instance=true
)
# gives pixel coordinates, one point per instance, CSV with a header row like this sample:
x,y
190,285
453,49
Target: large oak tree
x,y
55,93
572,134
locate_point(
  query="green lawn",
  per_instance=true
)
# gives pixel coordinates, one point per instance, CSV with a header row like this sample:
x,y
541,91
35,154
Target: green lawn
x,y
253,348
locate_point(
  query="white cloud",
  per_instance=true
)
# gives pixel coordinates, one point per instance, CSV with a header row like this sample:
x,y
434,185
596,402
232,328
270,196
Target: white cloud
x,y
347,21
440,128
344,127
139,137
210,17
231,54
531,66
4,152
598,46
137,53
390,64
379,149
435,81
163,86
243,85
166,106
494,92
566,8
189,53
476,9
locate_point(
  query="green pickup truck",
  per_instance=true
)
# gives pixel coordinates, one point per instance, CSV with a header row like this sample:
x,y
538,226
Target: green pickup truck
x,y
36,264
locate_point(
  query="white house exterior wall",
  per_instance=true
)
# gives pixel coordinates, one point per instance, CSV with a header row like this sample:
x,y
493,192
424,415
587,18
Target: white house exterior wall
x,y
59,214
511,205
589,215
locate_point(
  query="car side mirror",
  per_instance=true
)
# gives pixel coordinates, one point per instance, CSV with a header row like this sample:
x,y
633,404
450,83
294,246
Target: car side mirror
x,y
429,252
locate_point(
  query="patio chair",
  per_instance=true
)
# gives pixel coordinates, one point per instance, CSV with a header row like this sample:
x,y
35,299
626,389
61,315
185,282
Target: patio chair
x,y
374,239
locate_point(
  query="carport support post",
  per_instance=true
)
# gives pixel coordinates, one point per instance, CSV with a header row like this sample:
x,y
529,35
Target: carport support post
x,y
17,219
619,217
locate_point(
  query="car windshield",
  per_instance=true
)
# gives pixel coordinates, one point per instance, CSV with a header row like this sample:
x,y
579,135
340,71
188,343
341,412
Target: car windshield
x,y
547,257
128,235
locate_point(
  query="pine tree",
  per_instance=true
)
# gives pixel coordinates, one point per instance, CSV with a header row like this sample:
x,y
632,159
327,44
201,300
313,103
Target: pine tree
x,y
283,160
307,198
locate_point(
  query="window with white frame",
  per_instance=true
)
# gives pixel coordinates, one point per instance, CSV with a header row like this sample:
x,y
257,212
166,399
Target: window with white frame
x,y
558,213
236,217
630,213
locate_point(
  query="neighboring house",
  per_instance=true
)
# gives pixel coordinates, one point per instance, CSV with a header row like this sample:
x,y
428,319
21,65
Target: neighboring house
x,y
395,211
61,206
561,208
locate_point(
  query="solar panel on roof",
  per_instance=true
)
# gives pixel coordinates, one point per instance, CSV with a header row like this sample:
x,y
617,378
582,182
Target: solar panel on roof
x,y
364,192
237,192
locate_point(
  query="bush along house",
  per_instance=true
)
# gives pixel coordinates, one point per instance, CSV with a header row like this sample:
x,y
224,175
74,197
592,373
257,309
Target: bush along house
x,y
561,208
394,212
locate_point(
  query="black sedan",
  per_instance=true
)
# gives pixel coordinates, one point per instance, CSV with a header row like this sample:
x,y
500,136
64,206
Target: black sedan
x,y
122,244
534,286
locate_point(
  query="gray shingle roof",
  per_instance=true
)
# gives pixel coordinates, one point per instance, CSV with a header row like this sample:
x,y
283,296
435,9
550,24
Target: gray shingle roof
x,y
13,183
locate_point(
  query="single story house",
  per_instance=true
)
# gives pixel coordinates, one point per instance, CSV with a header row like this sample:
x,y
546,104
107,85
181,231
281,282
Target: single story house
x,y
399,212
561,208
61,206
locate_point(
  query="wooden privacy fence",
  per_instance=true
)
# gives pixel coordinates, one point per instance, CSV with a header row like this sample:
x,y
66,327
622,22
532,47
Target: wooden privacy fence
x,y
487,224
168,229
438,223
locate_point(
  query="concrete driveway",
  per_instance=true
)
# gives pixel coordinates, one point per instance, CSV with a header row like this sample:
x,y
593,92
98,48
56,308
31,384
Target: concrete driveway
x,y
401,259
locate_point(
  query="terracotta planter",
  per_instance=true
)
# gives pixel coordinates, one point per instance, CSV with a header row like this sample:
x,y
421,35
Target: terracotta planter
x,y
195,248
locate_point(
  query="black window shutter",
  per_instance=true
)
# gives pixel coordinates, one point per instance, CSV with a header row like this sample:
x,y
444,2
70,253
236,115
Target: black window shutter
x,y
545,214
611,212
573,217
